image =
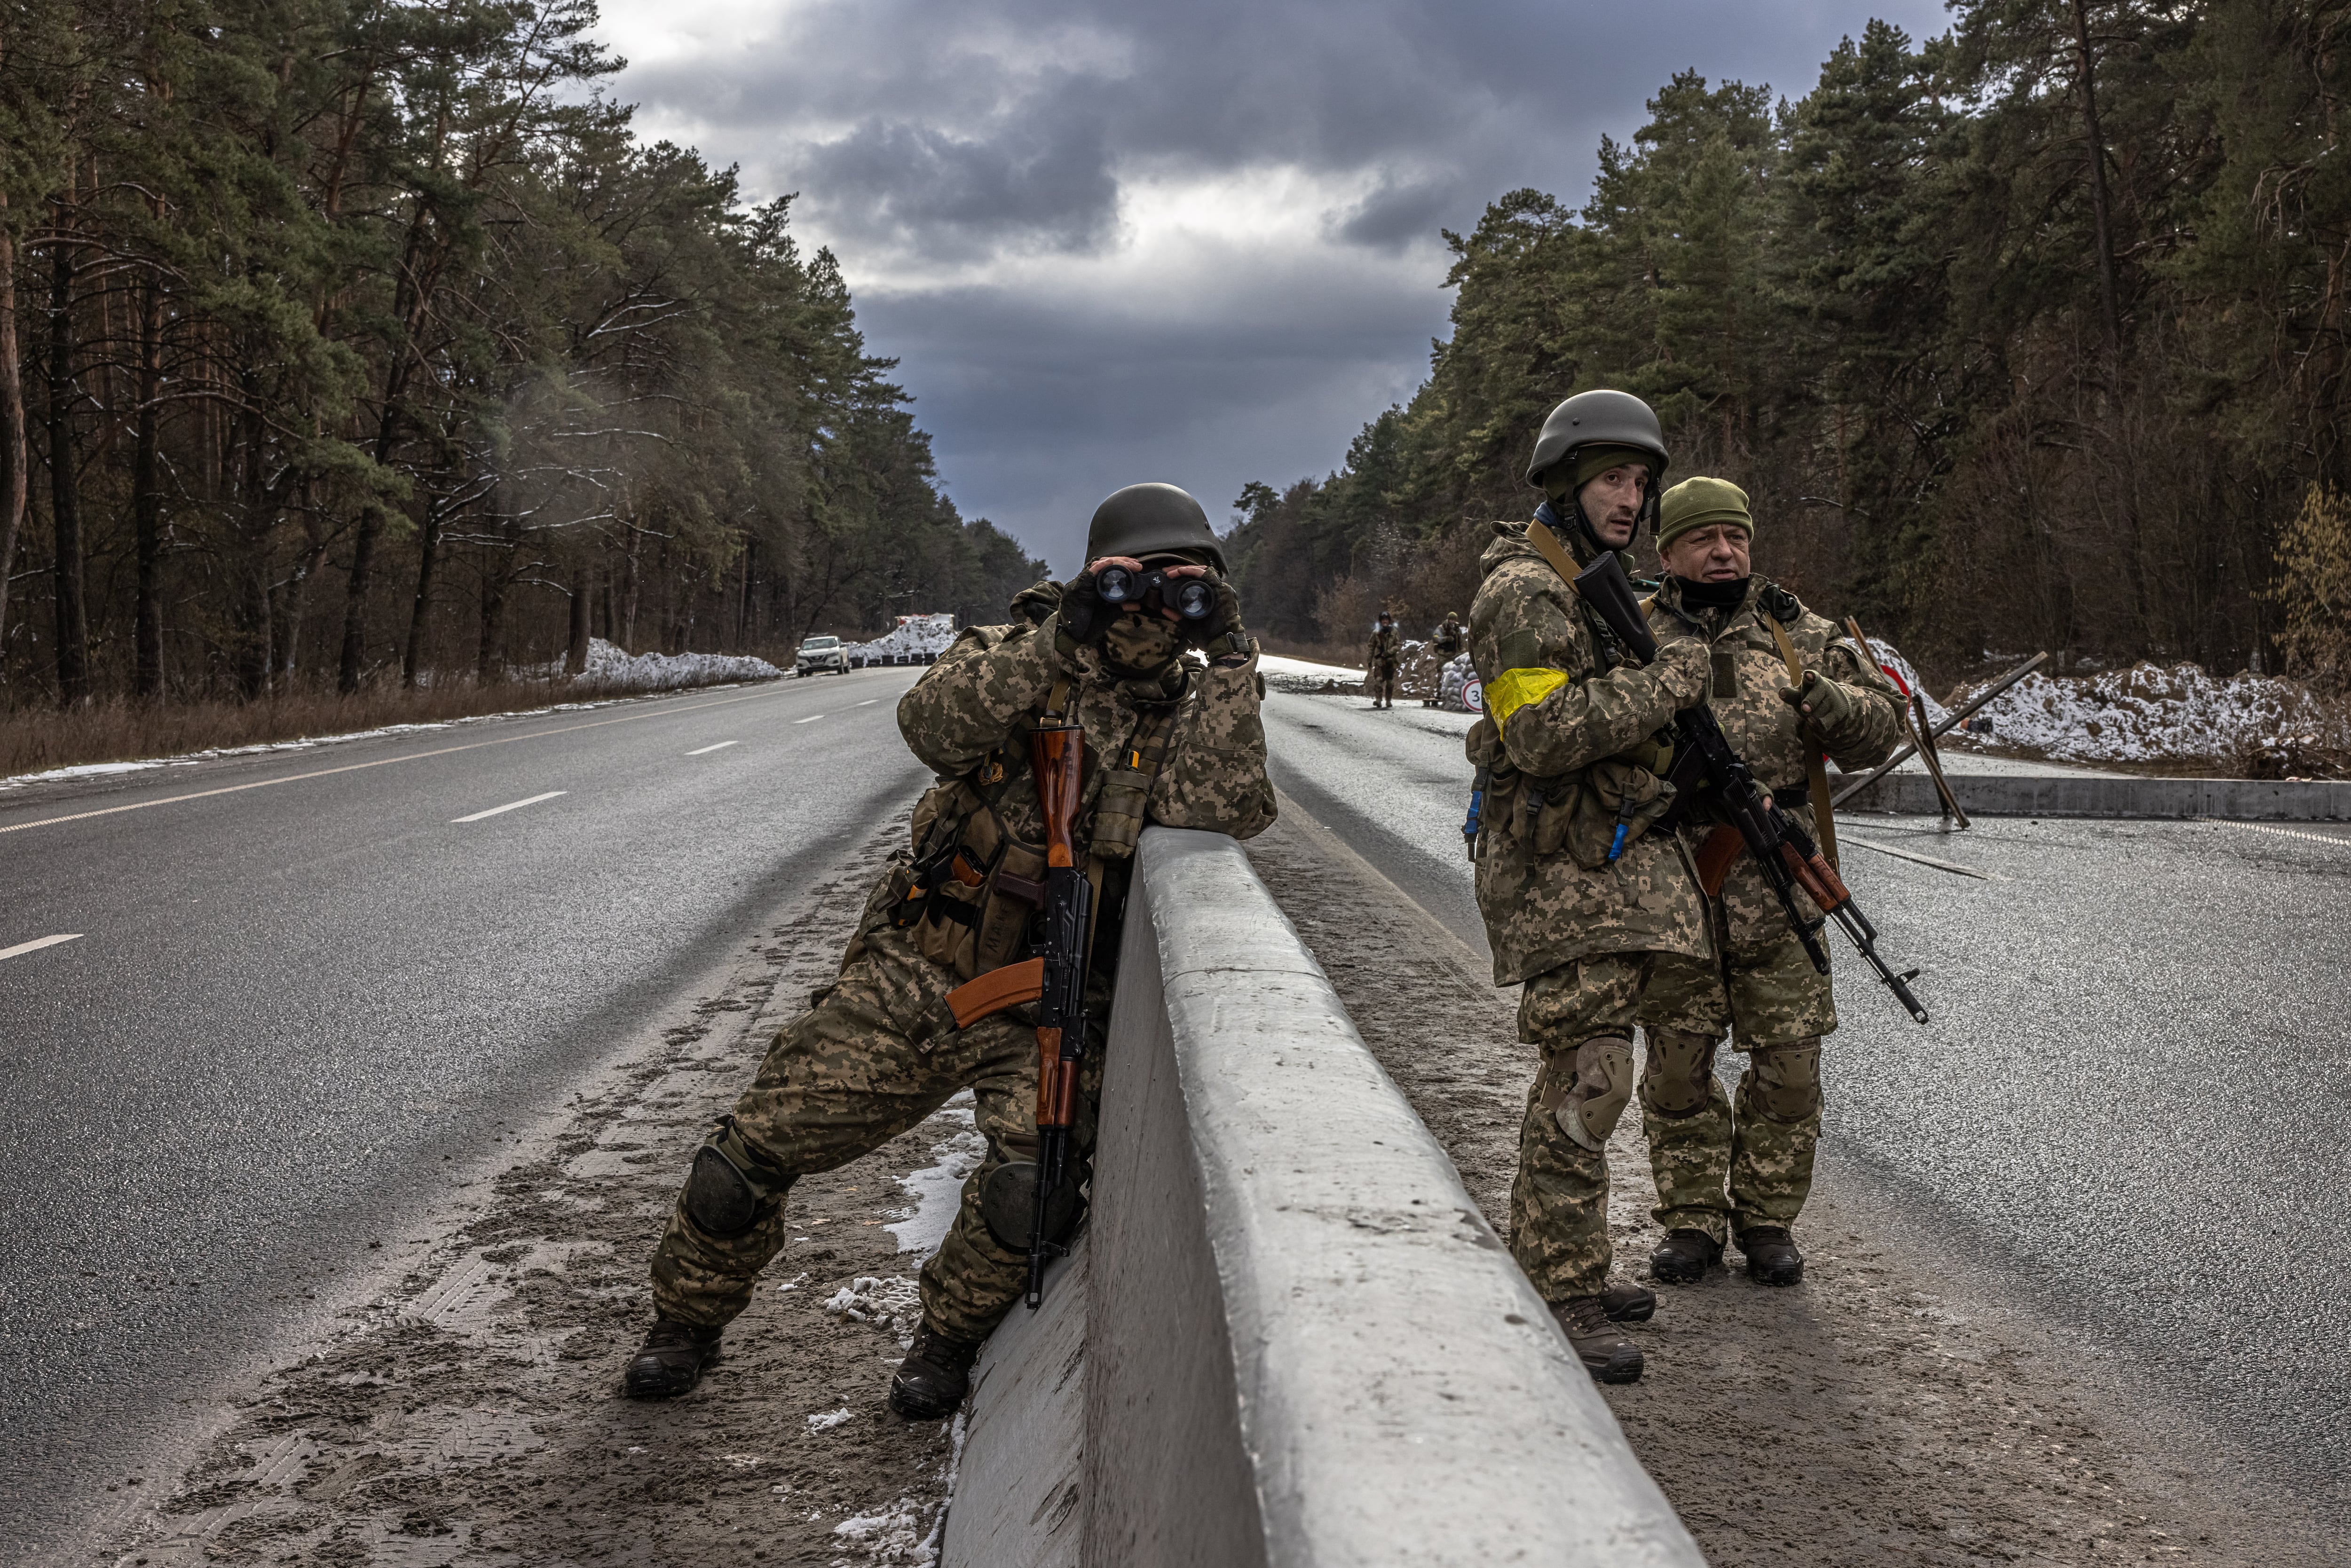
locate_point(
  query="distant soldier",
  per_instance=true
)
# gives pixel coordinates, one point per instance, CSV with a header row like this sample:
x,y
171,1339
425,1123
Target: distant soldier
x,y
1743,1168
1167,740
1450,637
1383,656
1603,935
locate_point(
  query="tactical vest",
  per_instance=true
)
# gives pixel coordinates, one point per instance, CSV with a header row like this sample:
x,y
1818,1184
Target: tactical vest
x,y
972,888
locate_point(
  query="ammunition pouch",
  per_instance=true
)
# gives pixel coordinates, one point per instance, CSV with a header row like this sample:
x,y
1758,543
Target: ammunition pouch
x,y
1126,795
971,888
1581,812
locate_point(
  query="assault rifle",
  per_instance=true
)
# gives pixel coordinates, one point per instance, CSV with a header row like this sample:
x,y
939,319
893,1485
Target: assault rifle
x,y
1706,764
1059,752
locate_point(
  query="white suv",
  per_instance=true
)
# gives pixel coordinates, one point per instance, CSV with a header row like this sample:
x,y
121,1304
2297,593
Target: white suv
x,y
818,655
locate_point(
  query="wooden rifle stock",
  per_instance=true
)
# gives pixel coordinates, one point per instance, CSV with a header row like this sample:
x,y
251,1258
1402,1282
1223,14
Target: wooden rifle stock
x,y
1058,755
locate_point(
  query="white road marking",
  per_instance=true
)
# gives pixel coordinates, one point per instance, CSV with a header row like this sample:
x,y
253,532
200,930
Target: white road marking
x,y
810,719
1927,860
707,750
510,806
869,701
35,945
383,762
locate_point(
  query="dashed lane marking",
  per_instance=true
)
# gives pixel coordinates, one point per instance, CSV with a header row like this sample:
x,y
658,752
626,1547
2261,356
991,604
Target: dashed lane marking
x,y
2338,841
810,719
707,750
35,945
510,806
869,701
378,762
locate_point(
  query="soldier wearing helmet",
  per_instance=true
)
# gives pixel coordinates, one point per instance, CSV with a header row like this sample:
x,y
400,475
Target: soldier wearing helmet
x,y
1603,929
882,1049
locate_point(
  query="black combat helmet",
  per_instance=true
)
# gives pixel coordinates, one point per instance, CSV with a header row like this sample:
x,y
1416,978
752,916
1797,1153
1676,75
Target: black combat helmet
x,y
1151,519
1599,419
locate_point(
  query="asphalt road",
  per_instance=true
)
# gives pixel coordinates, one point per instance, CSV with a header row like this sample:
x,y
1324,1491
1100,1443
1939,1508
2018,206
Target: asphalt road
x,y
2133,1107
288,1010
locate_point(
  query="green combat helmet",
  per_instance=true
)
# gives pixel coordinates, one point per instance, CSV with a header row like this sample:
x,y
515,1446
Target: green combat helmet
x,y
1151,519
1582,438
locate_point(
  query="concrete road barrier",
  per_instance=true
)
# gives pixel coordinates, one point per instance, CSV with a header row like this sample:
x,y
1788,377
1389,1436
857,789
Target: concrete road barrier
x,y
1292,1337
2085,795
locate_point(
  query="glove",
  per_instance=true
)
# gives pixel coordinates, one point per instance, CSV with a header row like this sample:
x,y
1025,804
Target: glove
x,y
1218,632
1084,613
1684,671
1828,704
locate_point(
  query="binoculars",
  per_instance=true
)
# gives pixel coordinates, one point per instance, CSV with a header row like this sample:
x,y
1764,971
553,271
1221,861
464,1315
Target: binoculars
x,y
1193,598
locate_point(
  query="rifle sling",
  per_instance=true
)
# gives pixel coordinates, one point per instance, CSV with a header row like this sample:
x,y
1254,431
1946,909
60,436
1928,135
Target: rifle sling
x,y
1816,773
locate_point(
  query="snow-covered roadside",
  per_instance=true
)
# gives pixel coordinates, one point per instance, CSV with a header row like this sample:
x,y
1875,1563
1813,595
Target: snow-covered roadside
x,y
915,638
2151,713
1285,675
608,670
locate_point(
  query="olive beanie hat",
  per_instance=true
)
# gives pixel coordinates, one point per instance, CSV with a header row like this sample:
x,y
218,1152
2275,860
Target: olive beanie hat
x,y
1698,502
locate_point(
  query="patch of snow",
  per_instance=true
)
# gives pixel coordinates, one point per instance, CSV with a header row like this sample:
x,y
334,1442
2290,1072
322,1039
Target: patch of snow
x,y
916,638
937,1188
827,1422
797,1280
894,1535
611,668
1285,675
895,1305
86,770
2152,713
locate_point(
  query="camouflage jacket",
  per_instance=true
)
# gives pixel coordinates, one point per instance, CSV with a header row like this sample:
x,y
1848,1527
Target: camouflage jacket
x,y
1557,724
1749,672
1385,649
983,694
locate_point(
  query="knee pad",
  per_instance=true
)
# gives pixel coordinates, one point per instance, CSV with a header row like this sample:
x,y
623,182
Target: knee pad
x,y
1587,1101
1784,1081
1677,1080
1007,1204
730,1189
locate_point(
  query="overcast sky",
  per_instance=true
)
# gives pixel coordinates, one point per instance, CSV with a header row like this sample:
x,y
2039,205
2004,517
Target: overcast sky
x,y
1190,242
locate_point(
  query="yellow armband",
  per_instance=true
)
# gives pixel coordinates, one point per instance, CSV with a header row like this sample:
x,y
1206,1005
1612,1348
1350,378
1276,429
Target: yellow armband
x,y
1514,689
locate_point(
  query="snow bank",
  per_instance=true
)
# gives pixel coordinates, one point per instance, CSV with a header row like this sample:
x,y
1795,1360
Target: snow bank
x,y
614,670
917,638
2149,712
1304,674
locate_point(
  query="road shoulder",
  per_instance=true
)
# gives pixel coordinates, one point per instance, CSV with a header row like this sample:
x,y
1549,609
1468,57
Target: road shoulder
x,y
469,1413
1878,1413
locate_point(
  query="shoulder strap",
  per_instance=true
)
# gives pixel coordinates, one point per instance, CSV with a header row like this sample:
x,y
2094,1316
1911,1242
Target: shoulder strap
x,y
1816,773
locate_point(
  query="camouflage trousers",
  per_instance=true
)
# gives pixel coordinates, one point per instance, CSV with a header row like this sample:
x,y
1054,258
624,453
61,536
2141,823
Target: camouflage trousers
x,y
1725,1166
876,1054
1558,1204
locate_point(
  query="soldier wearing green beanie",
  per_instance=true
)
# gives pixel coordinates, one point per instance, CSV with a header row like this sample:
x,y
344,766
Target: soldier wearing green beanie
x,y
1742,1168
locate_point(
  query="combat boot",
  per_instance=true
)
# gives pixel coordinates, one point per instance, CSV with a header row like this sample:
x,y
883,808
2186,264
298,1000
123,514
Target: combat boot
x,y
671,1360
1684,1257
1771,1255
1626,1303
931,1382
1608,1355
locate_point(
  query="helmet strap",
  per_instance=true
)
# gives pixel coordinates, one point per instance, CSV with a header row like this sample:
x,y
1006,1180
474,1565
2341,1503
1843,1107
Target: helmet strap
x,y
1575,528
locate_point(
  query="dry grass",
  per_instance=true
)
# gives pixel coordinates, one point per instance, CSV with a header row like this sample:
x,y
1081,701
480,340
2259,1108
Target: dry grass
x,y
33,740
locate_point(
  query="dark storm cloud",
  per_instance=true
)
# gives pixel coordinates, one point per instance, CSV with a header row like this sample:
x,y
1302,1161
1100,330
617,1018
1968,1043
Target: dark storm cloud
x,y
964,158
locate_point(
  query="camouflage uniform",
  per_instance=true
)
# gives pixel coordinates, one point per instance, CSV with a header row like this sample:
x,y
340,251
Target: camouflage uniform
x,y
1760,1147
1447,638
878,1050
1599,945
1382,657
